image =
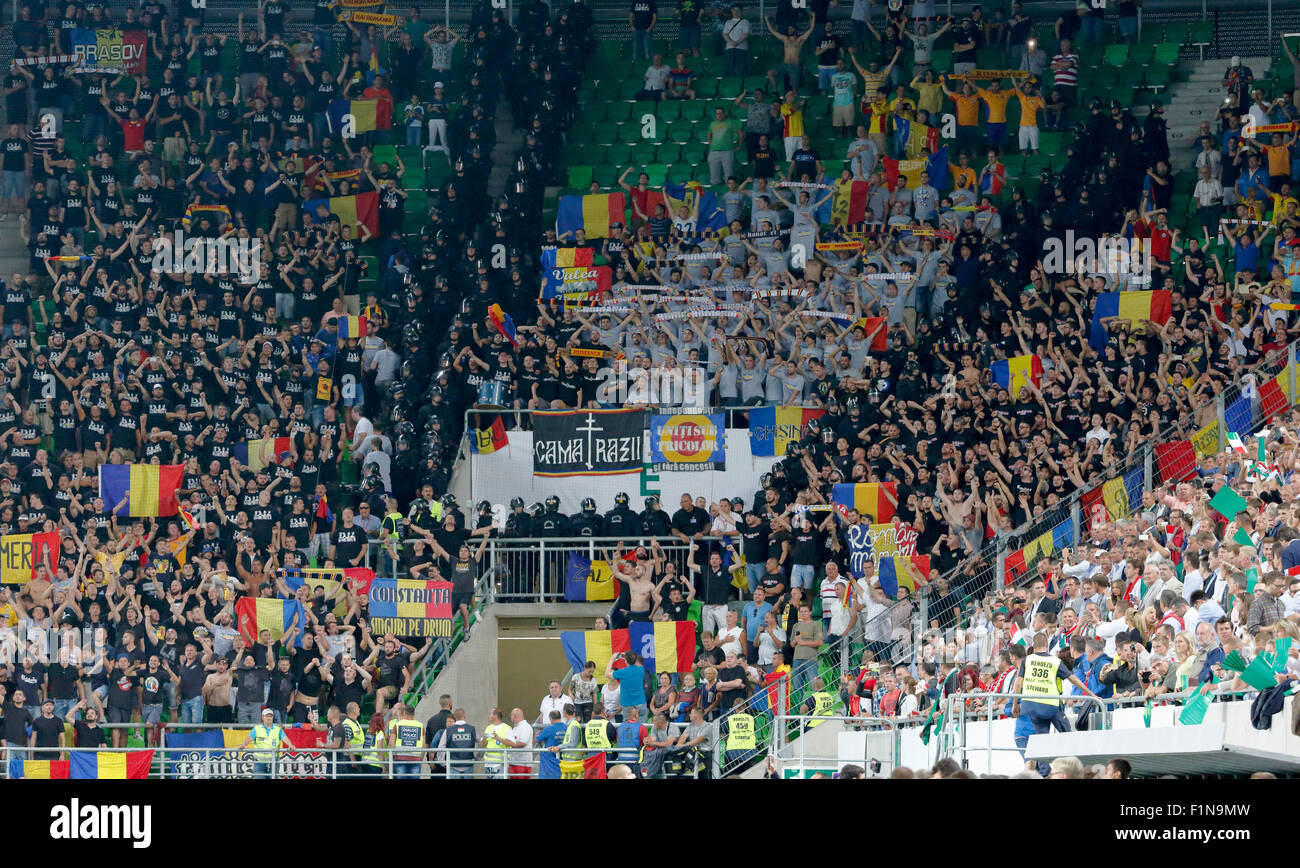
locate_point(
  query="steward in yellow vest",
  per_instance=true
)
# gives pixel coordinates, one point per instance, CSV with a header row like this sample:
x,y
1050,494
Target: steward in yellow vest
x,y
497,729
820,704
740,732
597,731
265,739
1040,679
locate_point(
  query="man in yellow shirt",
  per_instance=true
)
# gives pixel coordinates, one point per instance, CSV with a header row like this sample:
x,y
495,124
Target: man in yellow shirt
x,y
1278,157
792,123
1031,103
996,99
967,103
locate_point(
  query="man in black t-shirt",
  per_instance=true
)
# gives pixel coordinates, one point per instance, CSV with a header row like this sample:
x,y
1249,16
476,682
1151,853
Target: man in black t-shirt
x,y
349,542
47,732
123,697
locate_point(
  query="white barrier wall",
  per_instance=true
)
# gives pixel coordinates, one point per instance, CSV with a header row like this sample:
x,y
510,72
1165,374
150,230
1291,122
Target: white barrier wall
x,y
508,473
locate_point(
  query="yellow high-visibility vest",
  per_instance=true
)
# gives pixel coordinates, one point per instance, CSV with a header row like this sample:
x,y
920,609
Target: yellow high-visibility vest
x,y
1040,679
594,732
494,733
822,704
740,732
572,754
265,741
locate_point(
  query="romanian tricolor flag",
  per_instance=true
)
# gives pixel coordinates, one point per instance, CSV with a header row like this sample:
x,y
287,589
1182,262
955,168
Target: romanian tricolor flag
x,y
39,770
898,171
352,211
104,765
568,257
1014,373
358,579
850,203
351,327
485,441
666,646
152,488
218,214
902,572
874,327
1150,305
257,454
504,324
589,581
21,554
772,429
876,499
256,614
594,214
364,114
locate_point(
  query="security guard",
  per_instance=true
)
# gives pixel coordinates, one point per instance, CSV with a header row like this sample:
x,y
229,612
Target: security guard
x,y
599,733
1040,676
390,532
356,737
265,738
406,737
571,748
742,741
818,705
373,762
494,758
621,521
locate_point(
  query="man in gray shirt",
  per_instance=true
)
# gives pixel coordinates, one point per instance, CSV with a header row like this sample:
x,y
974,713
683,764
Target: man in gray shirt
x,y
758,119
699,737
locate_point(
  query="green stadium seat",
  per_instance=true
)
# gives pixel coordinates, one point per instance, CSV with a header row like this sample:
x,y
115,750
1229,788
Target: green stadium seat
x,y
680,132
609,89
641,108
1166,53
1158,76
618,155
618,111
1106,77
756,82
1130,76
630,132
594,109
630,87
706,87
606,176
694,110
605,132
580,177
730,88
1178,32
1116,55
669,153
700,133
941,59
1152,33
384,154
694,155
1201,33
658,173
670,110
990,58
833,168
643,154
1141,54
1051,143
681,175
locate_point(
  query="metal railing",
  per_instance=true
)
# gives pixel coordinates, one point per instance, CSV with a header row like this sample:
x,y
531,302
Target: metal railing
x,y
991,706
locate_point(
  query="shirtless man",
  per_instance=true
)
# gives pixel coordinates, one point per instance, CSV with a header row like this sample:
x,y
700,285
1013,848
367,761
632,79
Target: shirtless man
x,y
792,44
640,588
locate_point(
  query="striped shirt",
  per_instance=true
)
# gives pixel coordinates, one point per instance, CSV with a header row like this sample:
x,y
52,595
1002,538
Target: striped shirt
x,y
1067,76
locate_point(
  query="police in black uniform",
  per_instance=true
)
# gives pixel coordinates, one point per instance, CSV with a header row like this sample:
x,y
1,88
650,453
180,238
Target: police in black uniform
x,y
587,522
621,521
655,520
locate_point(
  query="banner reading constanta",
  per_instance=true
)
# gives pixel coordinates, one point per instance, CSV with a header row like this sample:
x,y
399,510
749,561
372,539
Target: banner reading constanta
x,y
688,442
410,607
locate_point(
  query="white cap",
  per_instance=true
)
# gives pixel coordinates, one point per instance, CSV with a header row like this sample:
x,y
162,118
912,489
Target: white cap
x,y
437,84
1236,60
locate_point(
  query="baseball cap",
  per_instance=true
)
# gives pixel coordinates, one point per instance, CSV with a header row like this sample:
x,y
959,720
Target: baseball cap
x,y
266,711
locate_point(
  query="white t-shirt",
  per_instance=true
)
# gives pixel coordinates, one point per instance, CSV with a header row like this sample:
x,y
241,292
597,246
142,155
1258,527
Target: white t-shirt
x,y
729,639
522,733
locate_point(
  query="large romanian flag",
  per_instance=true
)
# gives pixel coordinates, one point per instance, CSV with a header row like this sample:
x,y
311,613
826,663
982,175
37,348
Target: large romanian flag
x,y
256,454
908,172
353,211
771,429
21,554
850,203
104,765
902,572
1151,305
593,213
152,488
352,326
876,499
666,646
38,770
1013,373
256,614
365,115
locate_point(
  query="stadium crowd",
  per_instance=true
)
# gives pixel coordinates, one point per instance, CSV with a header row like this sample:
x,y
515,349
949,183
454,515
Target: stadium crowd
x,y
108,359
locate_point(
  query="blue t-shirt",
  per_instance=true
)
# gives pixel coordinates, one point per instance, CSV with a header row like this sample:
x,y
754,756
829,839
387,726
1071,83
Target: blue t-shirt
x,y
632,682
754,616
548,767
